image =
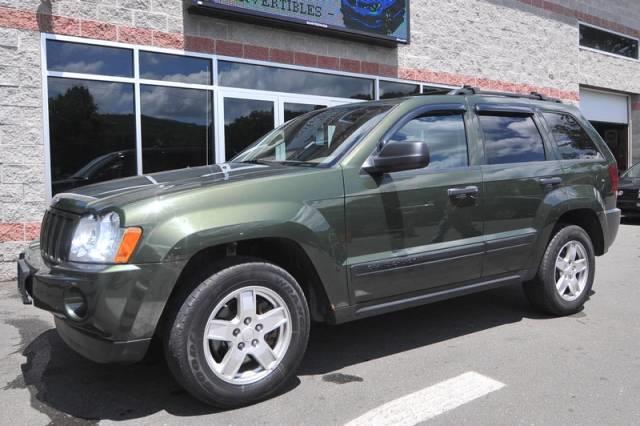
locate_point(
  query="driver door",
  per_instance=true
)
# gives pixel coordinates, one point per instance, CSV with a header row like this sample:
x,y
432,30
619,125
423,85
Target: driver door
x,y
421,229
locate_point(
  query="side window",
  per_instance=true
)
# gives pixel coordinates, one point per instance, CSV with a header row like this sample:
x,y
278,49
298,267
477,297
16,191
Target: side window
x,y
511,139
573,141
444,134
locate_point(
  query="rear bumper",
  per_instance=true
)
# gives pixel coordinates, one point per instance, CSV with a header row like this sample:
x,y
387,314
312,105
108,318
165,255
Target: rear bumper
x,y
611,224
122,304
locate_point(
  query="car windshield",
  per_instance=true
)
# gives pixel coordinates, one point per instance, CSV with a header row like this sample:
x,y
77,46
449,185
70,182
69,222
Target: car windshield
x,y
317,138
633,172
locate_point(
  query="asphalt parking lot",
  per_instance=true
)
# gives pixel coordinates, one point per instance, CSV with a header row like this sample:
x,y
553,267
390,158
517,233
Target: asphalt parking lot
x,y
481,359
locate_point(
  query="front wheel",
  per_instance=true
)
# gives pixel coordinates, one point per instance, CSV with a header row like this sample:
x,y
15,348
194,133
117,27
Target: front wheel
x,y
240,335
565,275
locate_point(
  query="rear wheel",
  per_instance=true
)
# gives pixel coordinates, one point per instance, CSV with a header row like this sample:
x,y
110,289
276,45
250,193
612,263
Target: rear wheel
x,y
565,275
240,335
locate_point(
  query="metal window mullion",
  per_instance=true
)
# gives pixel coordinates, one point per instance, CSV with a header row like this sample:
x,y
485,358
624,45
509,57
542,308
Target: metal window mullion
x,y
138,113
45,117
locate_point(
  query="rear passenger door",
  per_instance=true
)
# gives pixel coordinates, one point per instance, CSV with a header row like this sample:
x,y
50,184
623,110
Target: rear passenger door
x,y
520,171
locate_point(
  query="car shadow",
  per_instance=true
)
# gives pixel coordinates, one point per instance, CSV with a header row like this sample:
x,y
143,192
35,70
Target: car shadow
x,y
64,385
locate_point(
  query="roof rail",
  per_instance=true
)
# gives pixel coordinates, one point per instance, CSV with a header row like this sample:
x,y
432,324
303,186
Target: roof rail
x,y
470,90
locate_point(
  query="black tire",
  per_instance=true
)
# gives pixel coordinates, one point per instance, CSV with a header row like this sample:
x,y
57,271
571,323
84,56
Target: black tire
x,y
542,292
184,349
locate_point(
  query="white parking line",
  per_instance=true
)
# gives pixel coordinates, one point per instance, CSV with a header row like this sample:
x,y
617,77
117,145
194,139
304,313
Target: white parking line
x,y
430,402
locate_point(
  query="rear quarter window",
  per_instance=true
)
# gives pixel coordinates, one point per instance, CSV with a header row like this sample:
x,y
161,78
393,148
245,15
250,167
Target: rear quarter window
x,y
573,142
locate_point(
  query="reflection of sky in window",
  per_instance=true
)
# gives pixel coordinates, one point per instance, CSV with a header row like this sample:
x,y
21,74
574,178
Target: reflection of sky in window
x,y
511,139
110,98
393,88
170,103
292,81
89,59
445,136
183,69
237,108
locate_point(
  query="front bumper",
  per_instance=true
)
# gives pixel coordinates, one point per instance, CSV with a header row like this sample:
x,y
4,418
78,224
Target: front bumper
x,y
629,206
123,303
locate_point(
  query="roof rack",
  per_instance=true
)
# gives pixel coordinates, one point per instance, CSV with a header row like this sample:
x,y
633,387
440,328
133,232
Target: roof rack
x,y
470,90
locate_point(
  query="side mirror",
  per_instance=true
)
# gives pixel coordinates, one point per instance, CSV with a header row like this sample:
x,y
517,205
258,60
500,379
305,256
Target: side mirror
x,y
399,156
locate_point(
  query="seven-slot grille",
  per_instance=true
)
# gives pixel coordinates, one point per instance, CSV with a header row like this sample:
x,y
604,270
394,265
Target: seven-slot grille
x,y
629,194
56,233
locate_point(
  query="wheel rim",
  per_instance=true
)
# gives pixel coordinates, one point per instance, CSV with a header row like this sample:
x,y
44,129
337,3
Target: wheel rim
x,y
247,335
572,270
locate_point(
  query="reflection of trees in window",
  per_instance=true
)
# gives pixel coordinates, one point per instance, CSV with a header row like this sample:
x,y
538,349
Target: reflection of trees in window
x,y
80,132
244,130
573,142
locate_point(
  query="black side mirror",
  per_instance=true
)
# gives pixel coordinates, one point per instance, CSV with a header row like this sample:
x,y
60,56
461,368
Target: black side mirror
x,y
399,156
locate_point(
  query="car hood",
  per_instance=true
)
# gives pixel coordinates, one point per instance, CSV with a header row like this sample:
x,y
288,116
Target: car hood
x,y
120,192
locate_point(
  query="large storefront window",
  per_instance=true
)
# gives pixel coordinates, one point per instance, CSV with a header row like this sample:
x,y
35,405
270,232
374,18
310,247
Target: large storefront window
x,y
177,128
118,110
92,132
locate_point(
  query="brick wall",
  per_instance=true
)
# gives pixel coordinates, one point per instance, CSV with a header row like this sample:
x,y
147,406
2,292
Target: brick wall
x,y
518,45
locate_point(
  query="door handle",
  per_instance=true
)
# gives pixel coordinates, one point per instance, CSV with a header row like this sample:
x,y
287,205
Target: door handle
x,y
468,191
550,181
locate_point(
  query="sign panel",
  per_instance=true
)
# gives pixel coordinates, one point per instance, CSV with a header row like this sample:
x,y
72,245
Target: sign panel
x,y
384,20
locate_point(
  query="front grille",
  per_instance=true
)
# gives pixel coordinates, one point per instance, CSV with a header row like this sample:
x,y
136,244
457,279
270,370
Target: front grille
x,y
629,194
55,235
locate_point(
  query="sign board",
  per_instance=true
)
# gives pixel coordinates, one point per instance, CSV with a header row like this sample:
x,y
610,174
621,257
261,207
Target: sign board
x,y
384,21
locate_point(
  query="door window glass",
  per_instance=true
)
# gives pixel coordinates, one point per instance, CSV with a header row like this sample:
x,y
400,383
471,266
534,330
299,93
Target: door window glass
x,y
183,69
573,142
260,77
511,139
245,121
89,59
92,132
444,134
393,89
177,128
293,110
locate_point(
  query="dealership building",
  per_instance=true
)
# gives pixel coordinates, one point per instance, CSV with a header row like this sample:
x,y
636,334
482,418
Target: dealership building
x,y
92,90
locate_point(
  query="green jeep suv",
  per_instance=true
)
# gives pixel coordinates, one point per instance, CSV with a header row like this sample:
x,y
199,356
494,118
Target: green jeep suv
x,y
337,215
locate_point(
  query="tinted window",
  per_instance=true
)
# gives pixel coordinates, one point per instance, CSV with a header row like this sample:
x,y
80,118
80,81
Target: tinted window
x,y
89,59
293,110
177,128
511,139
573,142
261,77
444,134
609,42
183,69
244,122
92,132
433,90
392,89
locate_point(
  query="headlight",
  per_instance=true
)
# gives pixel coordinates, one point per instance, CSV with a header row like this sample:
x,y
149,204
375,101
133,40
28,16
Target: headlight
x,y
100,239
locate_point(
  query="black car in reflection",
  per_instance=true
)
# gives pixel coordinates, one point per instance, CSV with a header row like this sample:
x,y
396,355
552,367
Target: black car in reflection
x,y
119,164
629,192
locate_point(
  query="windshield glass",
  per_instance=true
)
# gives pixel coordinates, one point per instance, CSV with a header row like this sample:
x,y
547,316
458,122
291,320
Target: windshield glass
x,y
633,172
318,137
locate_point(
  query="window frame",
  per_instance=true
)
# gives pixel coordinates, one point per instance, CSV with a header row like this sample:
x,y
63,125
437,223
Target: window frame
x,y
554,142
604,52
214,88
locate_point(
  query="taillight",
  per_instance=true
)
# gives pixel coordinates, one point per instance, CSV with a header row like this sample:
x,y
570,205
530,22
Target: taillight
x,y
615,179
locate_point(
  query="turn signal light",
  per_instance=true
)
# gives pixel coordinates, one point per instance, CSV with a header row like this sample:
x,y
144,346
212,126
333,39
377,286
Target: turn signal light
x,y
128,244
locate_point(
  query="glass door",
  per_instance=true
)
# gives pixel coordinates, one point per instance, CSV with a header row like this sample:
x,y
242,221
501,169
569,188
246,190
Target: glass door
x,y
246,117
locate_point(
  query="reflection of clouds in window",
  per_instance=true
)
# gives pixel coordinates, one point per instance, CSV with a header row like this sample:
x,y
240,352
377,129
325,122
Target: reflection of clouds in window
x,y
445,136
195,77
185,105
182,69
110,98
237,108
89,59
285,80
511,139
